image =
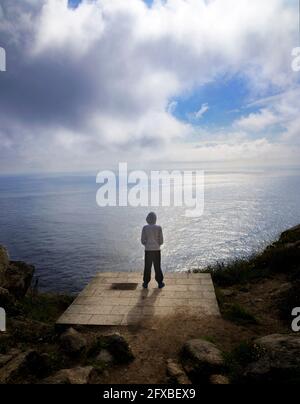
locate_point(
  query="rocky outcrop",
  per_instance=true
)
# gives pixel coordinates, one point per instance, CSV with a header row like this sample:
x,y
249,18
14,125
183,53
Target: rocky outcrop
x,y
290,236
279,359
17,279
79,375
73,343
175,373
201,359
4,262
15,276
21,366
6,299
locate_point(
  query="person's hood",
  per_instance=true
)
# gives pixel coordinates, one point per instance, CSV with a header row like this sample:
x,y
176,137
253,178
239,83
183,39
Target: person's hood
x,y
151,218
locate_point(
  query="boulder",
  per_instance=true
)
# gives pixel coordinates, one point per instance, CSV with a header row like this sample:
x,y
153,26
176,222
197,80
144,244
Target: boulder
x,y
18,278
201,359
119,348
79,375
176,373
219,379
4,262
24,365
73,343
278,360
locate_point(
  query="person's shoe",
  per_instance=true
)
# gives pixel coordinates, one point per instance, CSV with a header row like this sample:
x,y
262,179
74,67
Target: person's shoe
x,y
161,285
145,285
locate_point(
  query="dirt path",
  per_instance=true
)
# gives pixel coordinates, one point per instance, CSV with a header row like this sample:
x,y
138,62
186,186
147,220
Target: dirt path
x,y
162,339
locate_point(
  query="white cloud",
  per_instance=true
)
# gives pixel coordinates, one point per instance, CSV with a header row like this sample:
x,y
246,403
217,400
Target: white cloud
x,y
257,122
59,27
250,152
102,76
199,114
279,112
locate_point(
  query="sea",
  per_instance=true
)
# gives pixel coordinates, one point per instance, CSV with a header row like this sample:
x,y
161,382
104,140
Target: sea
x,y
53,222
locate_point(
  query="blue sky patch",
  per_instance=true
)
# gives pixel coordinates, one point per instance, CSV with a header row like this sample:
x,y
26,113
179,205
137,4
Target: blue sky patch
x,y
226,98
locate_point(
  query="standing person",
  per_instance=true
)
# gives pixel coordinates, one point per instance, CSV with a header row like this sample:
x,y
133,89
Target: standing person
x,y
152,239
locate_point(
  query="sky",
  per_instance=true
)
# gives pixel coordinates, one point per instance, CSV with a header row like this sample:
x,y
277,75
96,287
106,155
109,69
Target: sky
x,y
93,82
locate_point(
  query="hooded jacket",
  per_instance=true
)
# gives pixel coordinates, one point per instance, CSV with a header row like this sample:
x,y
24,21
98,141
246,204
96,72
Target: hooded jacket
x,y
152,235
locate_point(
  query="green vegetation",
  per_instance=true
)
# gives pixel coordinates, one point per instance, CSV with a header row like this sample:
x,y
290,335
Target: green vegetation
x,y
99,366
278,258
236,272
97,346
32,320
238,315
240,358
45,308
56,360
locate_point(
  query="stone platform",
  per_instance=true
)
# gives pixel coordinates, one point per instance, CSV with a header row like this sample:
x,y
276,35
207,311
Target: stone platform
x,y
115,298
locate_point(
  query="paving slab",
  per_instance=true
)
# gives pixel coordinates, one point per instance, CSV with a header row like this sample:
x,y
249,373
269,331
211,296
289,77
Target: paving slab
x,y
118,298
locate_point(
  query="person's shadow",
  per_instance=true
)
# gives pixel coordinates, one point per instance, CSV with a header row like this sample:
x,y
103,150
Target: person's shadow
x,y
144,309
